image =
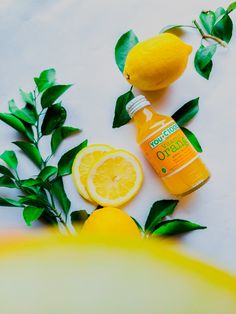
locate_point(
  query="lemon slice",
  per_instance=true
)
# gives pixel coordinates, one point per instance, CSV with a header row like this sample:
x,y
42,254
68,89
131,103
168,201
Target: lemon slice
x,y
82,164
115,178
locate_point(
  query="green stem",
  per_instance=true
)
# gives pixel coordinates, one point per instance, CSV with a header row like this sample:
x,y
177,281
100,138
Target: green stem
x,y
52,199
58,215
52,206
189,26
207,36
48,158
61,220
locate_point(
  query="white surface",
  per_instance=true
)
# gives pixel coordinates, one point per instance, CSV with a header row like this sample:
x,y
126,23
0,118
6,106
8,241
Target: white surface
x,y
78,39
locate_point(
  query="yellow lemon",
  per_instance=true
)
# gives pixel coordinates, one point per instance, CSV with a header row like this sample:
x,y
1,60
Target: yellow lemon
x,y
110,221
90,275
157,62
82,164
115,178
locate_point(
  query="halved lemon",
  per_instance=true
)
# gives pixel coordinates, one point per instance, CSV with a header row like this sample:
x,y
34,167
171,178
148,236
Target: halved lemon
x,y
115,178
82,164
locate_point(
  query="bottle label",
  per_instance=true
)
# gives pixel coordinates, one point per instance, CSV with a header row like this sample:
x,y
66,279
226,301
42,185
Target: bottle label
x,y
168,150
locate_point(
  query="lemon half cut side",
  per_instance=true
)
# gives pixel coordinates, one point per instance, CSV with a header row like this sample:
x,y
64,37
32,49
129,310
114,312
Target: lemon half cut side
x,y
115,178
82,164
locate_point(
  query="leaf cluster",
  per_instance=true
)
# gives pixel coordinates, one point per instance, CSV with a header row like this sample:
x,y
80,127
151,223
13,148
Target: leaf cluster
x,y
214,26
157,223
42,115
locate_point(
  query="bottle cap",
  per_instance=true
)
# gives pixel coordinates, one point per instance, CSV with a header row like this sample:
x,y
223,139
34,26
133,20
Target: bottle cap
x,y
136,104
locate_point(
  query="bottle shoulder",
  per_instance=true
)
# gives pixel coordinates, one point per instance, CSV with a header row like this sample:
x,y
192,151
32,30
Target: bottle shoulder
x,y
148,130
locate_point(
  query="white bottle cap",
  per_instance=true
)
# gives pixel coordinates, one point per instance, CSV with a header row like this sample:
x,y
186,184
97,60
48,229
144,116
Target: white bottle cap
x,y
136,104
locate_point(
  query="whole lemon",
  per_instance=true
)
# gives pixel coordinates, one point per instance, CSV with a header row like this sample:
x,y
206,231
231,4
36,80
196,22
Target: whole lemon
x,y
157,62
110,221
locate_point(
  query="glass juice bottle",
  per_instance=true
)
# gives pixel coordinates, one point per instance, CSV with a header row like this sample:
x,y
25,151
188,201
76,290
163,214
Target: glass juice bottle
x,y
167,149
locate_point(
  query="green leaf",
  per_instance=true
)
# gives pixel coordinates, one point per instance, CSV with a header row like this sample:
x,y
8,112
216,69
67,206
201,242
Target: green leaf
x,y
5,171
31,214
175,226
66,161
14,122
231,7
48,218
59,192
10,159
28,98
205,54
30,182
208,19
60,134
223,28
27,114
46,79
35,200
203,60
47,172
7,182
121,115
192,139
9,202
29,133
122,48
186,112
52,94
206,71
54,118
31,151
171,27
158,211
79,217
138,224
219,12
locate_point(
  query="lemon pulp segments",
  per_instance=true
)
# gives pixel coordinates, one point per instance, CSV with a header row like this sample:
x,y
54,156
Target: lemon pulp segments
x,y
115,178
82,164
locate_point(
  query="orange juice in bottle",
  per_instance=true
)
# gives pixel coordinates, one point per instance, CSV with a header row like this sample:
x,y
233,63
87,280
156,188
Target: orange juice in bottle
x,y
167,148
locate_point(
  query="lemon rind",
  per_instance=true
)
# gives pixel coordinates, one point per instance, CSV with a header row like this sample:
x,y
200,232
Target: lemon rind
x,y
75,173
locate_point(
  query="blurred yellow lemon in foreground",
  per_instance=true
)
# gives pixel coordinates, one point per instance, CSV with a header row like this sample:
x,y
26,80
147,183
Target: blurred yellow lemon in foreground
x,y
82,164
115,178
111,221
157,62
85,275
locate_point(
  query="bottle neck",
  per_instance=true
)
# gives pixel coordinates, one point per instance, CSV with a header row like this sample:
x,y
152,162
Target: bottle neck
x,y
148,121
145,115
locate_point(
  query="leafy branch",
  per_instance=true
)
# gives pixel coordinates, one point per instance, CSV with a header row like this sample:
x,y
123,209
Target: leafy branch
x,y
43,195
157,223
212,26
